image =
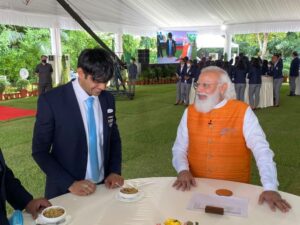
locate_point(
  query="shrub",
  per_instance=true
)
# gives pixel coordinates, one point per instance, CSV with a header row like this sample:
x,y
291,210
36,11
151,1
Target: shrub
x,y
2,86
22,84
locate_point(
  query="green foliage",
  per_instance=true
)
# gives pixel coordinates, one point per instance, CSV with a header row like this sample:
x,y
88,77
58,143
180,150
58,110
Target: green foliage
x,y
73,42
22,84
130,46
2,86
65,74
21,48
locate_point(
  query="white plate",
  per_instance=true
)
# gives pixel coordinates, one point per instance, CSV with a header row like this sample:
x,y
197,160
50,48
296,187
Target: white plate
x,y
135,199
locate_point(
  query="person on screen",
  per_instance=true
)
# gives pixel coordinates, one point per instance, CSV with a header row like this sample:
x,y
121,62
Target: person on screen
x,y
76,140
170,46
16,195
159,47
216,136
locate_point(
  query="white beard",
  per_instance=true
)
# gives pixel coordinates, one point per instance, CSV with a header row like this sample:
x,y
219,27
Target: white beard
x,y
208,104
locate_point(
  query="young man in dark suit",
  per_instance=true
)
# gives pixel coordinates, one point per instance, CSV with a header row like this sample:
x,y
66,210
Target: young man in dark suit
x,y
16,195
76,141
276,72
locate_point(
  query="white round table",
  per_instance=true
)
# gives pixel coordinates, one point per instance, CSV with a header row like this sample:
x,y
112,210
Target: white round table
x,y
161,201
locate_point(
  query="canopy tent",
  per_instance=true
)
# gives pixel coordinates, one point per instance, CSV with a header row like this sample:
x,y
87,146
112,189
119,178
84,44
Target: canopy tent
x,y
146,17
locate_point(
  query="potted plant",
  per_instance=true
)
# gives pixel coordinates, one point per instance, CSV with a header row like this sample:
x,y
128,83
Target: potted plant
x,y
2,88
21,86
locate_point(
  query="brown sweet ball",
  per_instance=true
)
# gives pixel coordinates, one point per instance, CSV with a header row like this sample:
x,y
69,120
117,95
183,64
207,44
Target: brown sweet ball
x,y
224,192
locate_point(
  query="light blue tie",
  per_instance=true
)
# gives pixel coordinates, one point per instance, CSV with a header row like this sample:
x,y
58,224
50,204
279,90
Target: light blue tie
x,y
92,140
170,47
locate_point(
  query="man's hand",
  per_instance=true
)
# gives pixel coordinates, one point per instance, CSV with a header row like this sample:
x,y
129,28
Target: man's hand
x,y
114,180
36,205
82,187
274,200
184,181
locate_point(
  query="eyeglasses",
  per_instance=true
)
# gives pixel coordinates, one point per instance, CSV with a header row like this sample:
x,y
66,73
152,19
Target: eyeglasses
x,y
204,85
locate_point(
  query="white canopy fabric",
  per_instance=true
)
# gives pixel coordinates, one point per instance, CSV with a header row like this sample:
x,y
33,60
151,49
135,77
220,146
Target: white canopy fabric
x,y
212,41
146,17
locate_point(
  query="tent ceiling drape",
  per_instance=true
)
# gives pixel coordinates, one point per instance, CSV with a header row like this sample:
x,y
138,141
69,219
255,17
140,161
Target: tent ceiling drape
x,y
145,17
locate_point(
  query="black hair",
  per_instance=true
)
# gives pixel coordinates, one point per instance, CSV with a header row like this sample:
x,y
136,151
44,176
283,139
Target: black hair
x,y
97,63
255,63
170,35
295,53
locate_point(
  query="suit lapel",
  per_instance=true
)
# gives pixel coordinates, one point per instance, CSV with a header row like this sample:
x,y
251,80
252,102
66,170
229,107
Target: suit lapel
x,y
75,112
104,106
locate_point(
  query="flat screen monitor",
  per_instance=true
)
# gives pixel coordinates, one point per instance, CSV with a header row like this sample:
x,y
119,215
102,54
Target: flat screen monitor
x,y
174,45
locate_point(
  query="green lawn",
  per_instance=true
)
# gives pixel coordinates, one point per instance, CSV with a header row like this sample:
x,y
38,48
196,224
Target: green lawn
x,y
148,127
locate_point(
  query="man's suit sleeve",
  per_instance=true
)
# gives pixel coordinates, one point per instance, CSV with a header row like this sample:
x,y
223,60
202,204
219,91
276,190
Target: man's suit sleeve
x,y
16,194
115,154
43,137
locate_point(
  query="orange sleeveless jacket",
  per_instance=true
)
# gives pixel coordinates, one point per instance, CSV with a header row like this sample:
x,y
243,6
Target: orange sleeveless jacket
x,y
217,148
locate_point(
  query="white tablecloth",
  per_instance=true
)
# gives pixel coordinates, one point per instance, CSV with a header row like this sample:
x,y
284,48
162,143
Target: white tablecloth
x,y
297,91
162,201
266,92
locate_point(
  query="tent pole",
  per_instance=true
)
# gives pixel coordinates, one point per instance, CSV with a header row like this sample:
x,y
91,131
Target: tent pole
x,y
227,47
78,19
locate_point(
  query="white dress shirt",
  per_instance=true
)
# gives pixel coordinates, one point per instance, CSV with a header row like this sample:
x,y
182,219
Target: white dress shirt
x,y
82,96
255,140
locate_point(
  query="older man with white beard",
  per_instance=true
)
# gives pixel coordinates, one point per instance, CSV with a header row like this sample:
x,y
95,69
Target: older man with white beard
x,y
216,136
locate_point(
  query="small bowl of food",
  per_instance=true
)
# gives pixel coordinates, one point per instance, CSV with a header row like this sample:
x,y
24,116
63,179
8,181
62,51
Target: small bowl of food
x,y
128,192
53,214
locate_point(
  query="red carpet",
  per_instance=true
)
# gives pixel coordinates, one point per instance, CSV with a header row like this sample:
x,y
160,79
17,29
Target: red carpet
x,y
8,113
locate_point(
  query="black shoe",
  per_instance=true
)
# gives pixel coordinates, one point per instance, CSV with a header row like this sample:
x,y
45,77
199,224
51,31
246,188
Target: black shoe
x,y
291,94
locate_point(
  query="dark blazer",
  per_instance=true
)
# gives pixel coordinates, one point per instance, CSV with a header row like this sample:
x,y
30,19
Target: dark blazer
x,y
59,144
294,69
190,74
239,75
254,75
277,70
11,190
180,72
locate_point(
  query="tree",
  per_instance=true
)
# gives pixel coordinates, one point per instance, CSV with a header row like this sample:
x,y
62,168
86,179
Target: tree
x,y
73,42
262,44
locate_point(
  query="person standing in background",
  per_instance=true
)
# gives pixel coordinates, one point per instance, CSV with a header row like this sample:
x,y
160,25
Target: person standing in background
x,y
239,76
44,71
186,83
254,77
132,75
294,73
277,77
180,71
